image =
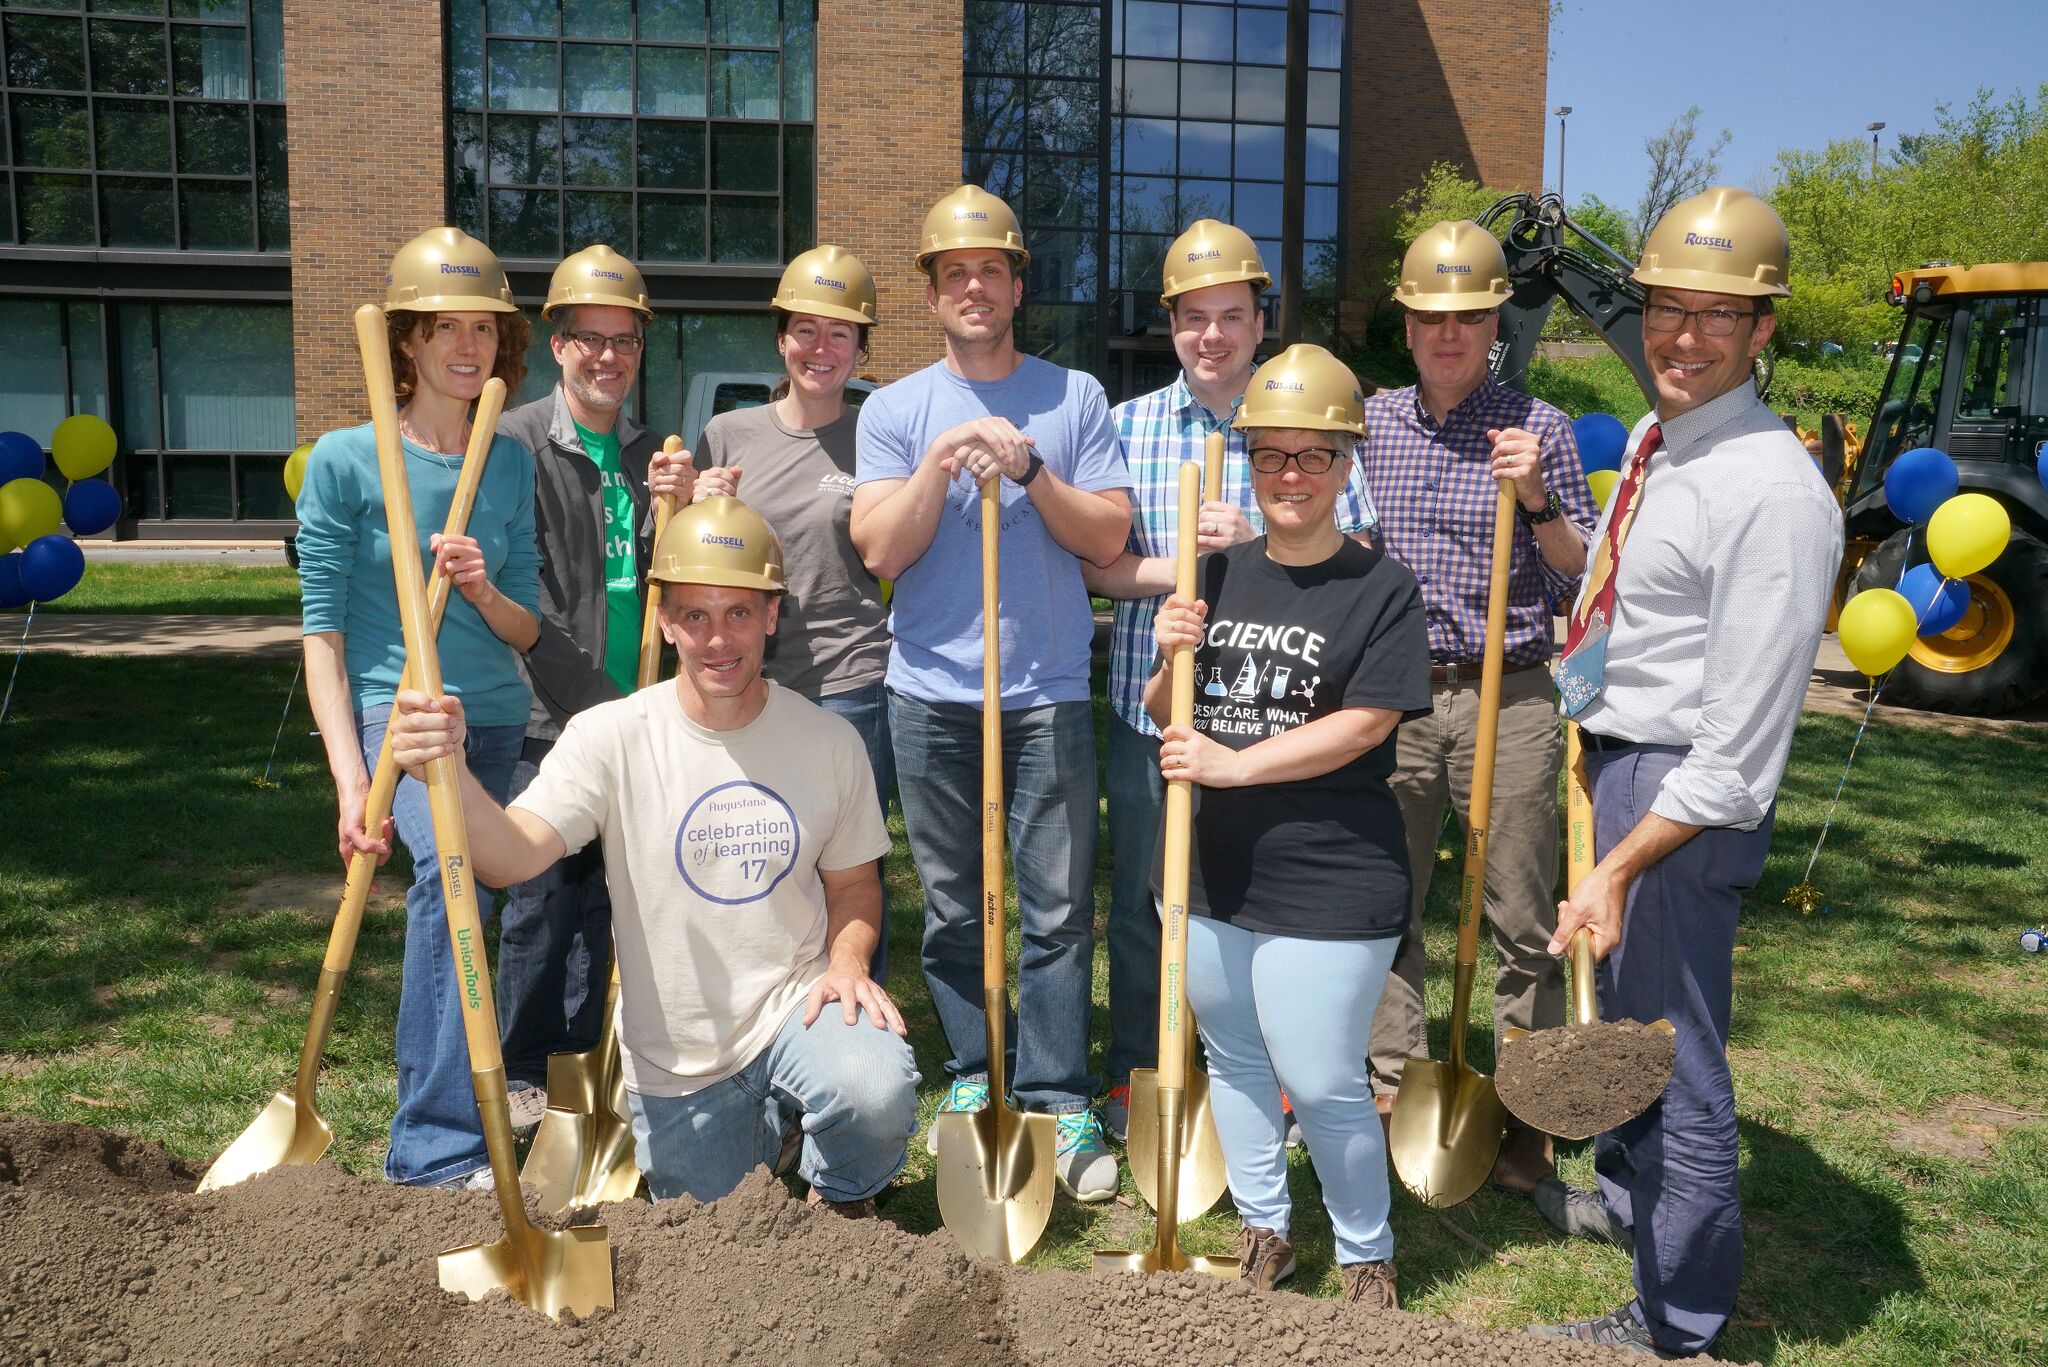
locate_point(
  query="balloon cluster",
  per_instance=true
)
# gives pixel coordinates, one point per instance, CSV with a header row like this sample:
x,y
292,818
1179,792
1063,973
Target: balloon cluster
x,y
1964,534
49,564
1603,440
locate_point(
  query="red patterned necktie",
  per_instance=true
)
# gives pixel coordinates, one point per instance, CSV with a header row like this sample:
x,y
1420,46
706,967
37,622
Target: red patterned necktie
x,y
1581,670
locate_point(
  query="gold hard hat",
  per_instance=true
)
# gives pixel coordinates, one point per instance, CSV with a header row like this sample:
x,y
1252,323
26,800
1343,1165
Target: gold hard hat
x,y
1303,387
719,541
1453,265
830,282
1722,240
1211,253
445,270
597,275
970,217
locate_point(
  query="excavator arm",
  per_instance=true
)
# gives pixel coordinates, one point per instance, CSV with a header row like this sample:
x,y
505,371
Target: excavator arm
x,y
1545,265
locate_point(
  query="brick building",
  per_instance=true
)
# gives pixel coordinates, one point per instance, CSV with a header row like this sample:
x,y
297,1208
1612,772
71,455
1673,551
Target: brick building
x,y
198,192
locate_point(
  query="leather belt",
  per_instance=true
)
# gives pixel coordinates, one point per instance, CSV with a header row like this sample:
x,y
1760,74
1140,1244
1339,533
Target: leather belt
x,y
1604,745
1468,671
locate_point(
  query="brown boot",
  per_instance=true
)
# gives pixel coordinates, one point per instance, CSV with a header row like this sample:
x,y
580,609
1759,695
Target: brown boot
x,y
851,1210
1265,1258
1370,1285
1526,1158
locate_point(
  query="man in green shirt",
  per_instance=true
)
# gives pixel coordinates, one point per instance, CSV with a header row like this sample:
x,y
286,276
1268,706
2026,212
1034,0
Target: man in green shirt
x,y
594,531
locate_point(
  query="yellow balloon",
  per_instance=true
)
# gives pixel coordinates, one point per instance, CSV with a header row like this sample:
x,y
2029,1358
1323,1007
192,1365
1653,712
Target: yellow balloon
x,y
29,508
1876,629
295,471
1967,533
83,445
1602,483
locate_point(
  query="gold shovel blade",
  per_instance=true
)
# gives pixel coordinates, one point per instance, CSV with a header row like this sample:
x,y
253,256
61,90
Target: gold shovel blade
x,y
1149,1262
1203,1179
1445,1132
579,1159
545,1270
1600,1123
995,1199
281,1135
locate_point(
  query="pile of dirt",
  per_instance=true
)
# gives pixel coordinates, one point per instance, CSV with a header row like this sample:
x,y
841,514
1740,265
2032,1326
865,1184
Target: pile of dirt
x,y
1581,1079
109,1257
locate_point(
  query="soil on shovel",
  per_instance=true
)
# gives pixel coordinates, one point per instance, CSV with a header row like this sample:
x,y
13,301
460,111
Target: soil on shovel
x,y
1581,1079
110,1257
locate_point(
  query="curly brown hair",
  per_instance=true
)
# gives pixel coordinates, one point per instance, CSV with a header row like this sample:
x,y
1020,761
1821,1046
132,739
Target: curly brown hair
x,y
515,335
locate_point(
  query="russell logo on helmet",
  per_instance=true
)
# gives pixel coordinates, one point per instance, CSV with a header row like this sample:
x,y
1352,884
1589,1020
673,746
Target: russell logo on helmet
x,y
450,268
1719,244
730,542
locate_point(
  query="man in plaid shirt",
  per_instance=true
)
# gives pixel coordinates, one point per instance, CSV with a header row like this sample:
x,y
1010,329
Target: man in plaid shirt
x,y
1212,283
1434,455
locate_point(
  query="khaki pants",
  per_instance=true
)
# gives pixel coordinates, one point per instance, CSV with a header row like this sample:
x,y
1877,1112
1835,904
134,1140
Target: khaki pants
x,y
1434,764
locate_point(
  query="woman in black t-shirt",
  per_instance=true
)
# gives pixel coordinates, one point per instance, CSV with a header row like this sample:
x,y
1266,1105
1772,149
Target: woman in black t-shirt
x,y
1310,649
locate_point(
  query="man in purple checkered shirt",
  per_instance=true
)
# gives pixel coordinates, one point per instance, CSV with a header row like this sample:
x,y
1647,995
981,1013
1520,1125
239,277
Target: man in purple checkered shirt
x,y
1212,280
1434,455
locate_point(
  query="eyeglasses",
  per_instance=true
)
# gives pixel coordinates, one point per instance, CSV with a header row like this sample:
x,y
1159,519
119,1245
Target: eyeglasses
x,y
594,343
1430,318
1716,322
1313,460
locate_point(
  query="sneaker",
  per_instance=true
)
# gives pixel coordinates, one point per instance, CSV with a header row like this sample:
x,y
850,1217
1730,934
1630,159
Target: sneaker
x,y
863,1209
1265,1258
480,1180
1291,1132
528,1104
1116,1113
1085,1166
1580,1214
1370,1285
1616,1329
963,1095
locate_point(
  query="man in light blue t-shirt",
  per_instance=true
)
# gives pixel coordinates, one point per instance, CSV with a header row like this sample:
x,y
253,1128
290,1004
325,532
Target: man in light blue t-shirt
x,y
926,446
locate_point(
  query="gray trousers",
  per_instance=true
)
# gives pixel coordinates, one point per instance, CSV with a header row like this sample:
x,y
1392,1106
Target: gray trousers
x,y
1433,757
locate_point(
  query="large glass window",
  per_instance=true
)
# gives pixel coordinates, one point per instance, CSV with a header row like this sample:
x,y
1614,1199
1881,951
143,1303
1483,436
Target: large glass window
x,y
681,347
130,124
674,130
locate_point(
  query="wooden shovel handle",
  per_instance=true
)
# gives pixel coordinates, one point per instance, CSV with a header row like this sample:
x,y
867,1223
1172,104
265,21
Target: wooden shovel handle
x,y
1212,467
1180,804
995,989
1578,806
650,621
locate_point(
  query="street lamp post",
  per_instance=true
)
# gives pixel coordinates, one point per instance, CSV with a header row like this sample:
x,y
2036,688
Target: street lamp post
x,y
1561,111
1873,129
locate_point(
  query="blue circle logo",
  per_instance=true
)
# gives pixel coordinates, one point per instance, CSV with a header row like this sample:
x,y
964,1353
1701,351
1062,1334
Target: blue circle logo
x,y
736,843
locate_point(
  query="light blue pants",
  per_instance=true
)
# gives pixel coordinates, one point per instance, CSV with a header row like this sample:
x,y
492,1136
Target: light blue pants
x,y
1276,1012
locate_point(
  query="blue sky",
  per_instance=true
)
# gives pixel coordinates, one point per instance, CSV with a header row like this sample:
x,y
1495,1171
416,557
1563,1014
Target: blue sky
x,y
1774,73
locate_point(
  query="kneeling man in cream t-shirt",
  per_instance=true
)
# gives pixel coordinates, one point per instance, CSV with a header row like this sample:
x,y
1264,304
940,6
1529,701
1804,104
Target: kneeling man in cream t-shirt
x,y
742,844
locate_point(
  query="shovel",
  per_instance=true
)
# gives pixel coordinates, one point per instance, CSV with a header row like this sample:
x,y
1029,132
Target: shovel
x,y
1166,1115
547,1270
582,1154
290,1131
1590,1048
995,1165
1448,1121
1200,1152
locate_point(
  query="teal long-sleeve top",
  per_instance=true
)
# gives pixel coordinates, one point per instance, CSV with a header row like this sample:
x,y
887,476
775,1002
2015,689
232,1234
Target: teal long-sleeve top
x,y
345,581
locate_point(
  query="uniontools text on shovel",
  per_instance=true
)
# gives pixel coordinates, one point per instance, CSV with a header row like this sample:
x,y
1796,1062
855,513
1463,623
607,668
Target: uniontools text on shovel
x,y
582,1154
1589,1076
1202,1174
548,1270
995,1165
290,1131
1447,1124
1169,1118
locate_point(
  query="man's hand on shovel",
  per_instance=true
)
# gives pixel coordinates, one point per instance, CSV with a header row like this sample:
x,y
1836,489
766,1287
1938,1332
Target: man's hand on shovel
x,y
1601,898
423,729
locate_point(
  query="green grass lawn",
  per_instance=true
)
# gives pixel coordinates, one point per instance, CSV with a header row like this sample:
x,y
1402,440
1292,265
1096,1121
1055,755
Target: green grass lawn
x,y
162,919
230,589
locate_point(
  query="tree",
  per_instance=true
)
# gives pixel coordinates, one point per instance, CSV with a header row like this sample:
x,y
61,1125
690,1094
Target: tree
x,y
1608,222
1679,166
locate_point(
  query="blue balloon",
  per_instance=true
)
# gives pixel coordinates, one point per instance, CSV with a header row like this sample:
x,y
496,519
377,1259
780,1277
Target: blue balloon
x,y
21,457
1603,438
91,505
12,593
51,567
1938,603
1917,483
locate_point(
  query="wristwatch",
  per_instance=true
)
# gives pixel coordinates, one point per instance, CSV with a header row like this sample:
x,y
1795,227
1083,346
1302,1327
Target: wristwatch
x,y
1031,470
1552,509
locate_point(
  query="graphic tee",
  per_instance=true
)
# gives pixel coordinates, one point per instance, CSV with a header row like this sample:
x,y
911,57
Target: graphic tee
x,y
1320,858
713,843
621,576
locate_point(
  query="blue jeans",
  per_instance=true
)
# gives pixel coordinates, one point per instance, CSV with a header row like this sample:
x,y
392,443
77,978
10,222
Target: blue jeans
x,y
853,1087
1050,795
868,709
1276,1012
1137,794
554,952
436,1136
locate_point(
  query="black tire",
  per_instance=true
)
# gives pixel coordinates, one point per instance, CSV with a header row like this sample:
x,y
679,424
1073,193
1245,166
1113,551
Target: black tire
x,y
2009,680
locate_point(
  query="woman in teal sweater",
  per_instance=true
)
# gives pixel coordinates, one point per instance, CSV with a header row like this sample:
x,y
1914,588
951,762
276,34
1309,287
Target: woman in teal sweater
x,y
452,326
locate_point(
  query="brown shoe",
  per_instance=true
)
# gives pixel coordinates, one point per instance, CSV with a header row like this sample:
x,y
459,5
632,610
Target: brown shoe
x,y
1383,1102
1526,1158
1266,1259
863,1209
1370,1285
